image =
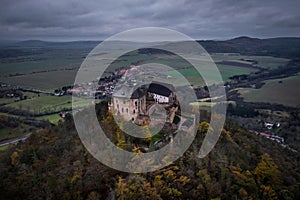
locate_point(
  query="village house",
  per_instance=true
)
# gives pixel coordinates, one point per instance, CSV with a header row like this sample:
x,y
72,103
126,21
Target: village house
x,y
270,125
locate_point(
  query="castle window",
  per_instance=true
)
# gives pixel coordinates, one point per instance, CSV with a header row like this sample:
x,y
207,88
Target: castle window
x,y
133,111
127,110
135,104
122,110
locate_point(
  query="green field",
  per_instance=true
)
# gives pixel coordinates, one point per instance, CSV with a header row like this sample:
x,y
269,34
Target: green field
x,y
207,105
194,78
48,104
286,93
7,100
229,71
203,105
53,118
43,104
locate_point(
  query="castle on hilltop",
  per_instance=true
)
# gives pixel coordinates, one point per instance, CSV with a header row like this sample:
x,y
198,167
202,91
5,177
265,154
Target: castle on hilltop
x,y
131,103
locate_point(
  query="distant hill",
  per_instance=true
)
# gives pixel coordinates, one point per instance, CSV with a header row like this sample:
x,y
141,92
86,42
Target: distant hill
x,y
45,44
288,47
10,49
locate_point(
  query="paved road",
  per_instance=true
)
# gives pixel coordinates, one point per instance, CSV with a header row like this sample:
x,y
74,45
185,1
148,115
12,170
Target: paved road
x,y
182,120
14,140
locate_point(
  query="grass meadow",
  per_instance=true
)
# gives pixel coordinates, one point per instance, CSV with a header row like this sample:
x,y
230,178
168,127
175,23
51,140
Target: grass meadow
x,y
282,91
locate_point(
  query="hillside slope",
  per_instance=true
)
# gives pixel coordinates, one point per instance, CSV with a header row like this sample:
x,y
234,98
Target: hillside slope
x,y
53,164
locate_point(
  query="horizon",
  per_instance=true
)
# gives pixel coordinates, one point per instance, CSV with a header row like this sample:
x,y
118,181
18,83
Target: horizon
x,y
86,40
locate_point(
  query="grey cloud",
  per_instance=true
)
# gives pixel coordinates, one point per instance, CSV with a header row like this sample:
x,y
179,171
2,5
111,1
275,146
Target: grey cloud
x,y
206,19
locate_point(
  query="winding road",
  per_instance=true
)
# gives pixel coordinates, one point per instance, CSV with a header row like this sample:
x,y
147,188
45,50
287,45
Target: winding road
x,y
14,140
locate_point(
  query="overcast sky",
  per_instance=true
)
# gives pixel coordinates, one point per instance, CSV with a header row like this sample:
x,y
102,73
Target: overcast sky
x,y
96,20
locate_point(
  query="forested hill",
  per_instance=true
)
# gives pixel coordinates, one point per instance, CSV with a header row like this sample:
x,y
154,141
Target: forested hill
x,y
53,164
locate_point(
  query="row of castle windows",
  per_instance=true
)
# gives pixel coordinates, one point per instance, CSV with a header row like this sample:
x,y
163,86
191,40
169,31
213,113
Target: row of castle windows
x,y
135,103
123,109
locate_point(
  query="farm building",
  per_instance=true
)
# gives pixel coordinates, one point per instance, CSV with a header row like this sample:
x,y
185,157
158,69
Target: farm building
x,y
161,93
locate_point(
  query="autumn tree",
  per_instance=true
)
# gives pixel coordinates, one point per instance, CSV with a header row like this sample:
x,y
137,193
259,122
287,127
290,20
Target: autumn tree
x,y
135,187
267,176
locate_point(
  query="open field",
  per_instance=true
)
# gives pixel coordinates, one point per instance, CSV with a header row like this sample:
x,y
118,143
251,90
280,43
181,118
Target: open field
x,y
202,105
42,65
43,104
33,56
29,66
7,100
282,91
262,61
226,71
53,118
44,81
